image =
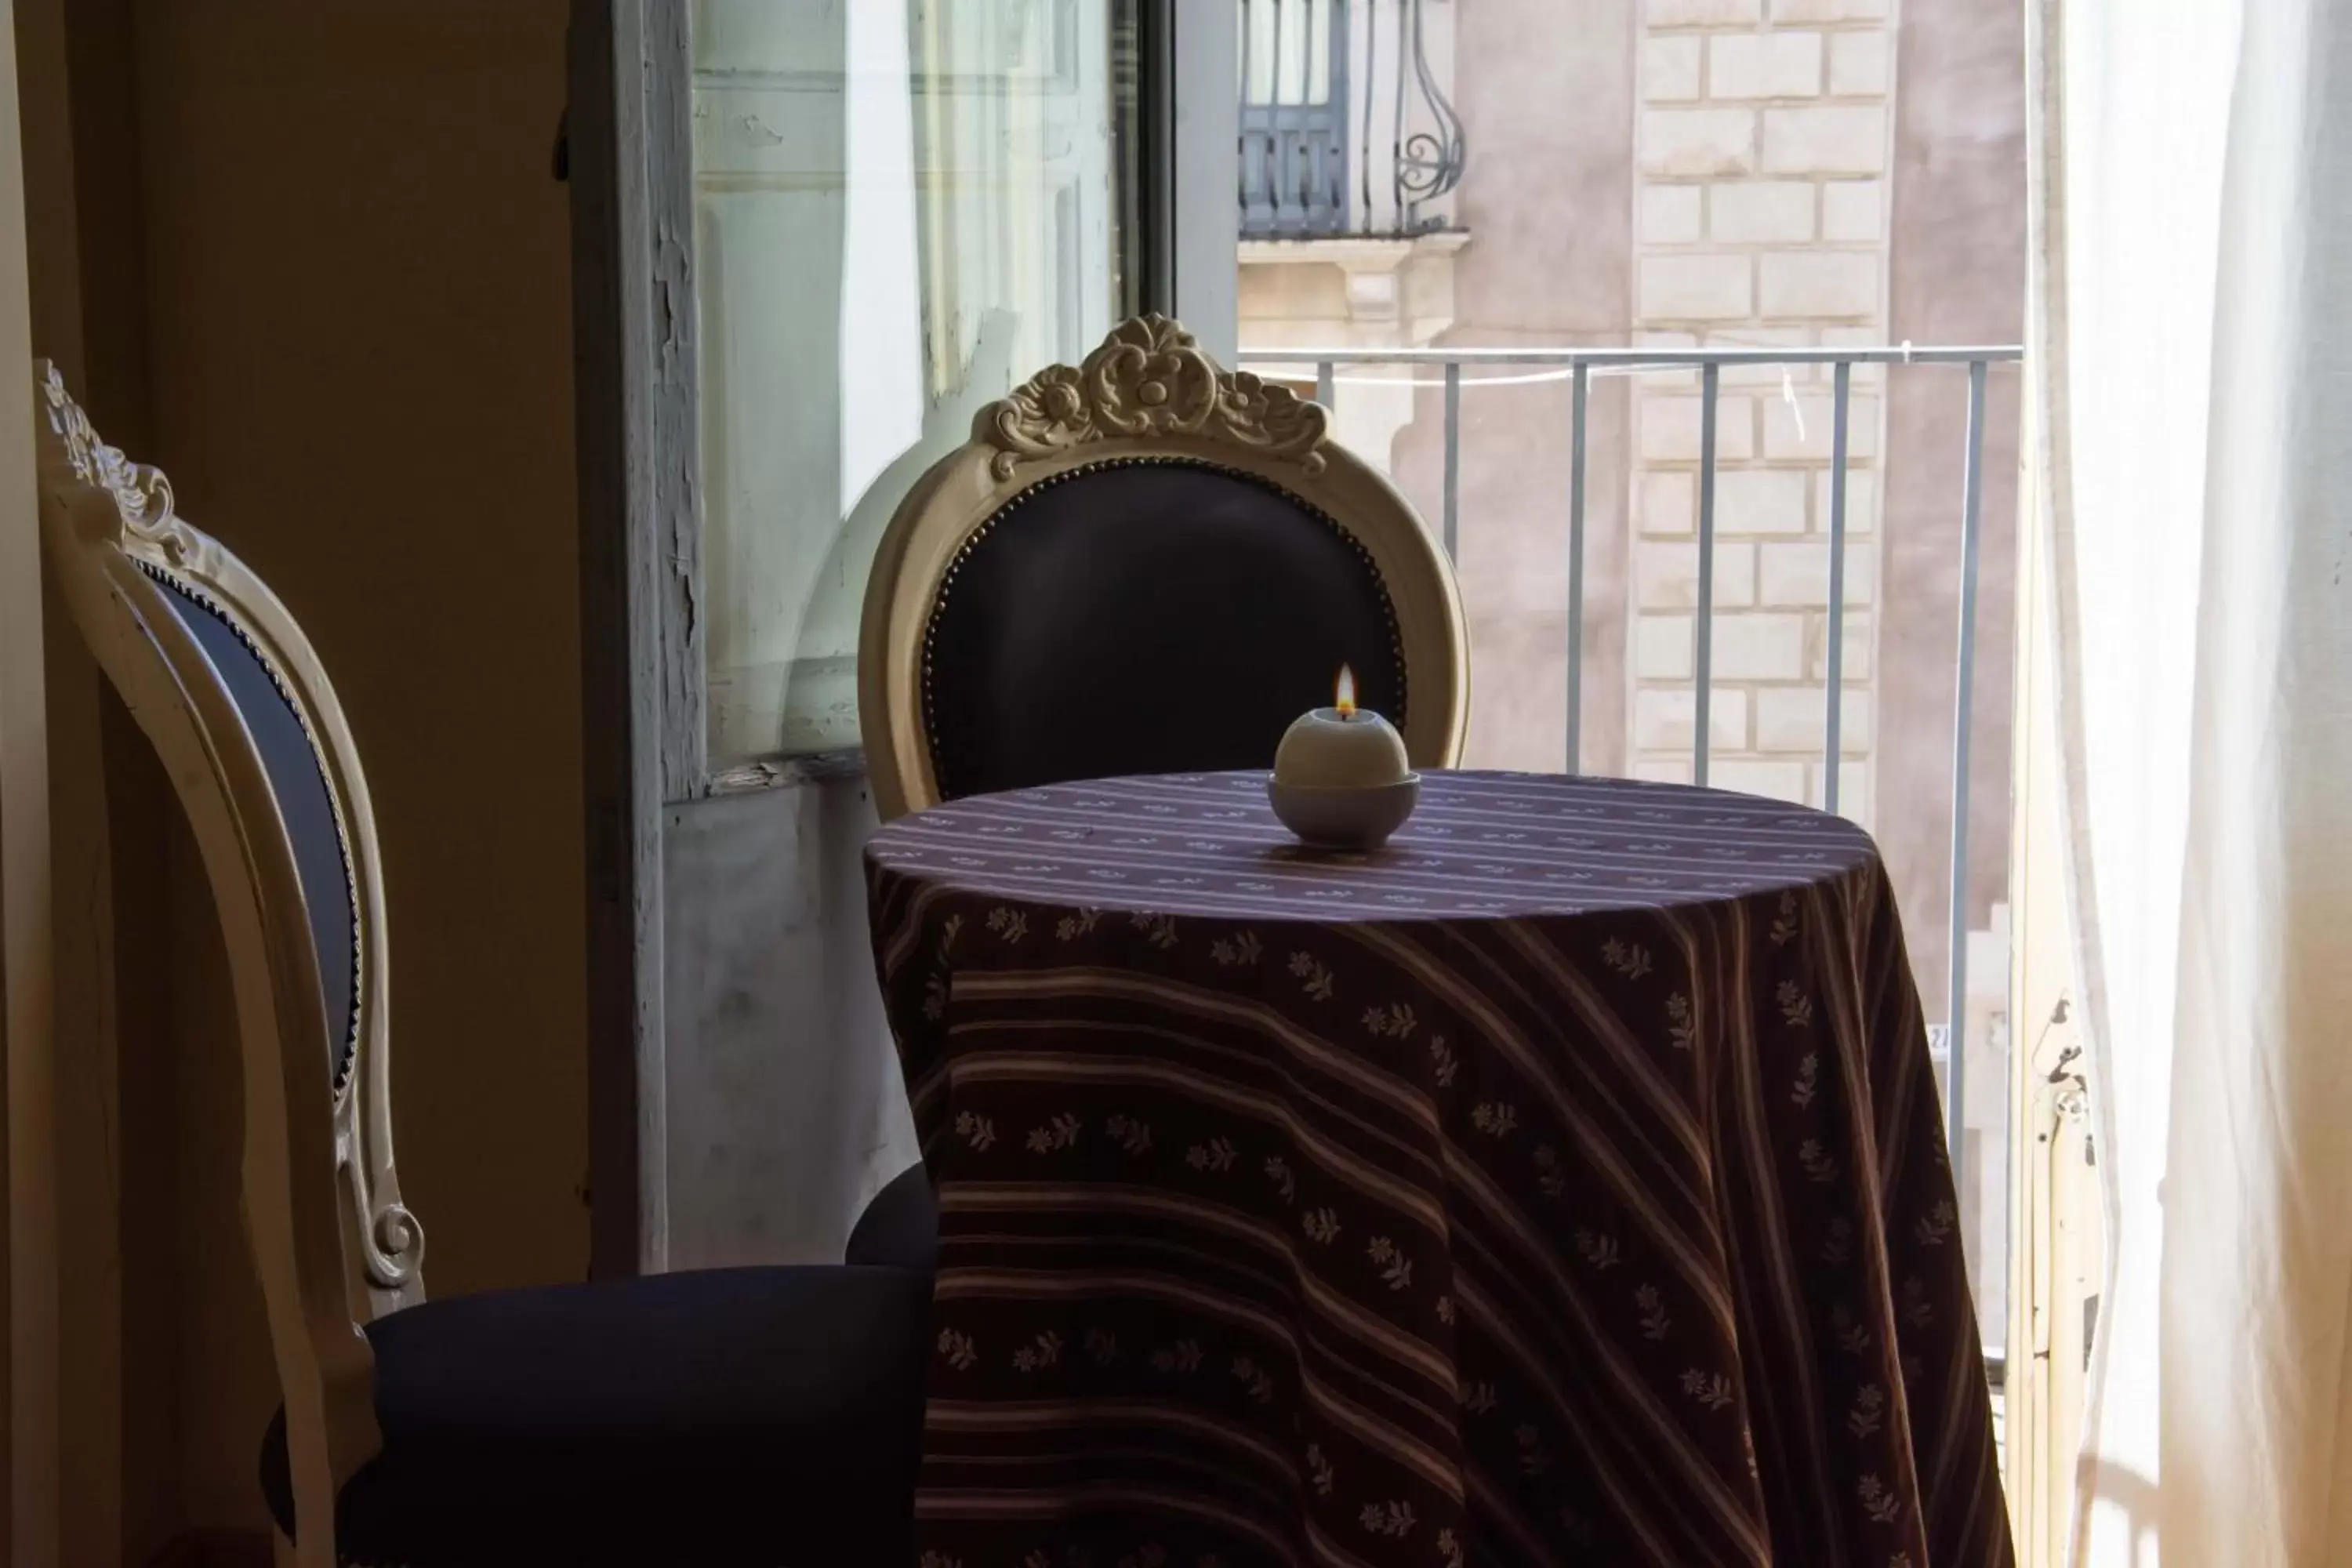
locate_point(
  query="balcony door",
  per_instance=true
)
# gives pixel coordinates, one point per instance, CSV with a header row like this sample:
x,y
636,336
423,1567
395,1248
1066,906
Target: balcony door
x,y
810,240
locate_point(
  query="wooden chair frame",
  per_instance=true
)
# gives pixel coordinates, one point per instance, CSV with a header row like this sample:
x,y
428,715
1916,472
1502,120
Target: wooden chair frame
x,y
1149,391
332,1243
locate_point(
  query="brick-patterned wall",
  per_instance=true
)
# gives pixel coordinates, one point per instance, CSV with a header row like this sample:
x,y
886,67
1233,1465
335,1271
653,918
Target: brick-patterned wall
x,y
1761,220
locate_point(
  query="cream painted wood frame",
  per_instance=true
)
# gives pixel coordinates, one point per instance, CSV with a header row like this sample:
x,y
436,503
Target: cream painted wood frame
x,y
1149,391
30,1438
331,1242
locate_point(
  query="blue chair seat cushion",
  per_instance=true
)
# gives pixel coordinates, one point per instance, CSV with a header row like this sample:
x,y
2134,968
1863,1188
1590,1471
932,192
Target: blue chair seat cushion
x,y
742,1415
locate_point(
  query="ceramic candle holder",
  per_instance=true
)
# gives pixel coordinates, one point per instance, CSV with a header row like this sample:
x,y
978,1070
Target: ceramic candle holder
x,y
1341,780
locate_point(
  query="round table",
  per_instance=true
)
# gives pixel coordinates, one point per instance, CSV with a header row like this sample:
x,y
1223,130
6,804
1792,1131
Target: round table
x,y
1563,1184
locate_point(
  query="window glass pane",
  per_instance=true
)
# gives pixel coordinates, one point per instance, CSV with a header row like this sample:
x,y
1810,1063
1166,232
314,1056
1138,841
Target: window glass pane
x,y
1318,51
1258,23
902,210
1290,51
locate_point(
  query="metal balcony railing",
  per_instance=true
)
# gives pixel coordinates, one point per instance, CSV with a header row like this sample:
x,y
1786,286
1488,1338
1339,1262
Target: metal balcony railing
x,y
1345,129
1578,366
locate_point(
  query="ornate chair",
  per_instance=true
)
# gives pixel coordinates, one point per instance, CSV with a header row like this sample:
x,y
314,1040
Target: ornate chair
x,y
1145,564
755,1415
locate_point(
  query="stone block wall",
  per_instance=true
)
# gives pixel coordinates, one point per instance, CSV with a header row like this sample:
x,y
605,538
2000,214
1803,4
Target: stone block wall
x,y
1762,145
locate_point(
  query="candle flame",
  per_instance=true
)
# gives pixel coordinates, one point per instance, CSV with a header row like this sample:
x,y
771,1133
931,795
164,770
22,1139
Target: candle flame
x,y
1345,699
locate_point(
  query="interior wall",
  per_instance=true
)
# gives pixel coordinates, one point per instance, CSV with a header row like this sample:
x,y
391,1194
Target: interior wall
x,y
27,1349
360,361
320,270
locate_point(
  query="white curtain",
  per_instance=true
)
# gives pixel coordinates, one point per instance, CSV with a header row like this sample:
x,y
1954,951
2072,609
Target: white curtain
x,y
2193,330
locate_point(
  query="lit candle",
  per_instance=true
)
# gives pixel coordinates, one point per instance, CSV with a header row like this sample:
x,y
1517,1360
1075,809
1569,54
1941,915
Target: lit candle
x,y
1341,747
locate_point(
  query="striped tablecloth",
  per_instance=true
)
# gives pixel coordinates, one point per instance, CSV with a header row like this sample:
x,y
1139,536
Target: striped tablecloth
x,y
1562,1185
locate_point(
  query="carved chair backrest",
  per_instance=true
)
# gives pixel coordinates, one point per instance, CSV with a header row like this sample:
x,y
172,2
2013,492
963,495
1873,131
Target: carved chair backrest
x,y
1144,564
227,690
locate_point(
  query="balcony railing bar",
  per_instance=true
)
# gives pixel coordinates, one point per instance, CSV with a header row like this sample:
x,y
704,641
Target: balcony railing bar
x,y
1578,402
1835,675
1971,509
1452,459
1703,621
1578,366
1640,359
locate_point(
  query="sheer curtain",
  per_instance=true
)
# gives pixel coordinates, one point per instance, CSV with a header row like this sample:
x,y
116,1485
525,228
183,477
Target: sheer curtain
x,y
2193,328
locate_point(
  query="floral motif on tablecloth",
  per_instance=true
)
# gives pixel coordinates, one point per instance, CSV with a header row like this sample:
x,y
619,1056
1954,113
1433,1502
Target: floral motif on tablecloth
x,y
1255,1378
1809,1080
1631,959
1396,1268
1935,1227
1315,976
1494,1118
1040,1353
1278,1171
1681,1029
1820,1166
1061,1133
1158,930
1712,1389
1241,947
1216,1156
1443,1063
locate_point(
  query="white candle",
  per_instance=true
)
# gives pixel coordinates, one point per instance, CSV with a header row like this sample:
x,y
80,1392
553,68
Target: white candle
x,y
1341,746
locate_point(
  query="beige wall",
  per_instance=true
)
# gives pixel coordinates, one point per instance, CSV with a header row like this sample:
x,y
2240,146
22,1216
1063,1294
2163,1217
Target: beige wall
x,y
1547,195
361,362
324,274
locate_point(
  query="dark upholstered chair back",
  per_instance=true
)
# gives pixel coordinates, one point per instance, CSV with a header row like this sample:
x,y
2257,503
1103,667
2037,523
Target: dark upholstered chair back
x,y
1146,564
226,687
1147,615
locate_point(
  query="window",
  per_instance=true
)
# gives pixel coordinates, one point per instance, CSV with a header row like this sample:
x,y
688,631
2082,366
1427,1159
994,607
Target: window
x,y
901,211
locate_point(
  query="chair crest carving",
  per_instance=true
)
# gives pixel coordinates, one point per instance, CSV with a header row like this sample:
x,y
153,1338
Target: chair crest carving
x,y
142,495
1148,379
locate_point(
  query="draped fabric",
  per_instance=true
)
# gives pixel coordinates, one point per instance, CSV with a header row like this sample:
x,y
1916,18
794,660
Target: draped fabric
x,y
2192,325
1563,1183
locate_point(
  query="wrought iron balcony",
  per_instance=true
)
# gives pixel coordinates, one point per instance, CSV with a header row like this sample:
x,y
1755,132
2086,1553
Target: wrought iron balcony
x,y
1345,127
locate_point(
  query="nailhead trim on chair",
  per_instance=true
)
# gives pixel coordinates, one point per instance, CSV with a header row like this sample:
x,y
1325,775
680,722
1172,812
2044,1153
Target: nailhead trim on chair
x,y
348,1056
971,541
